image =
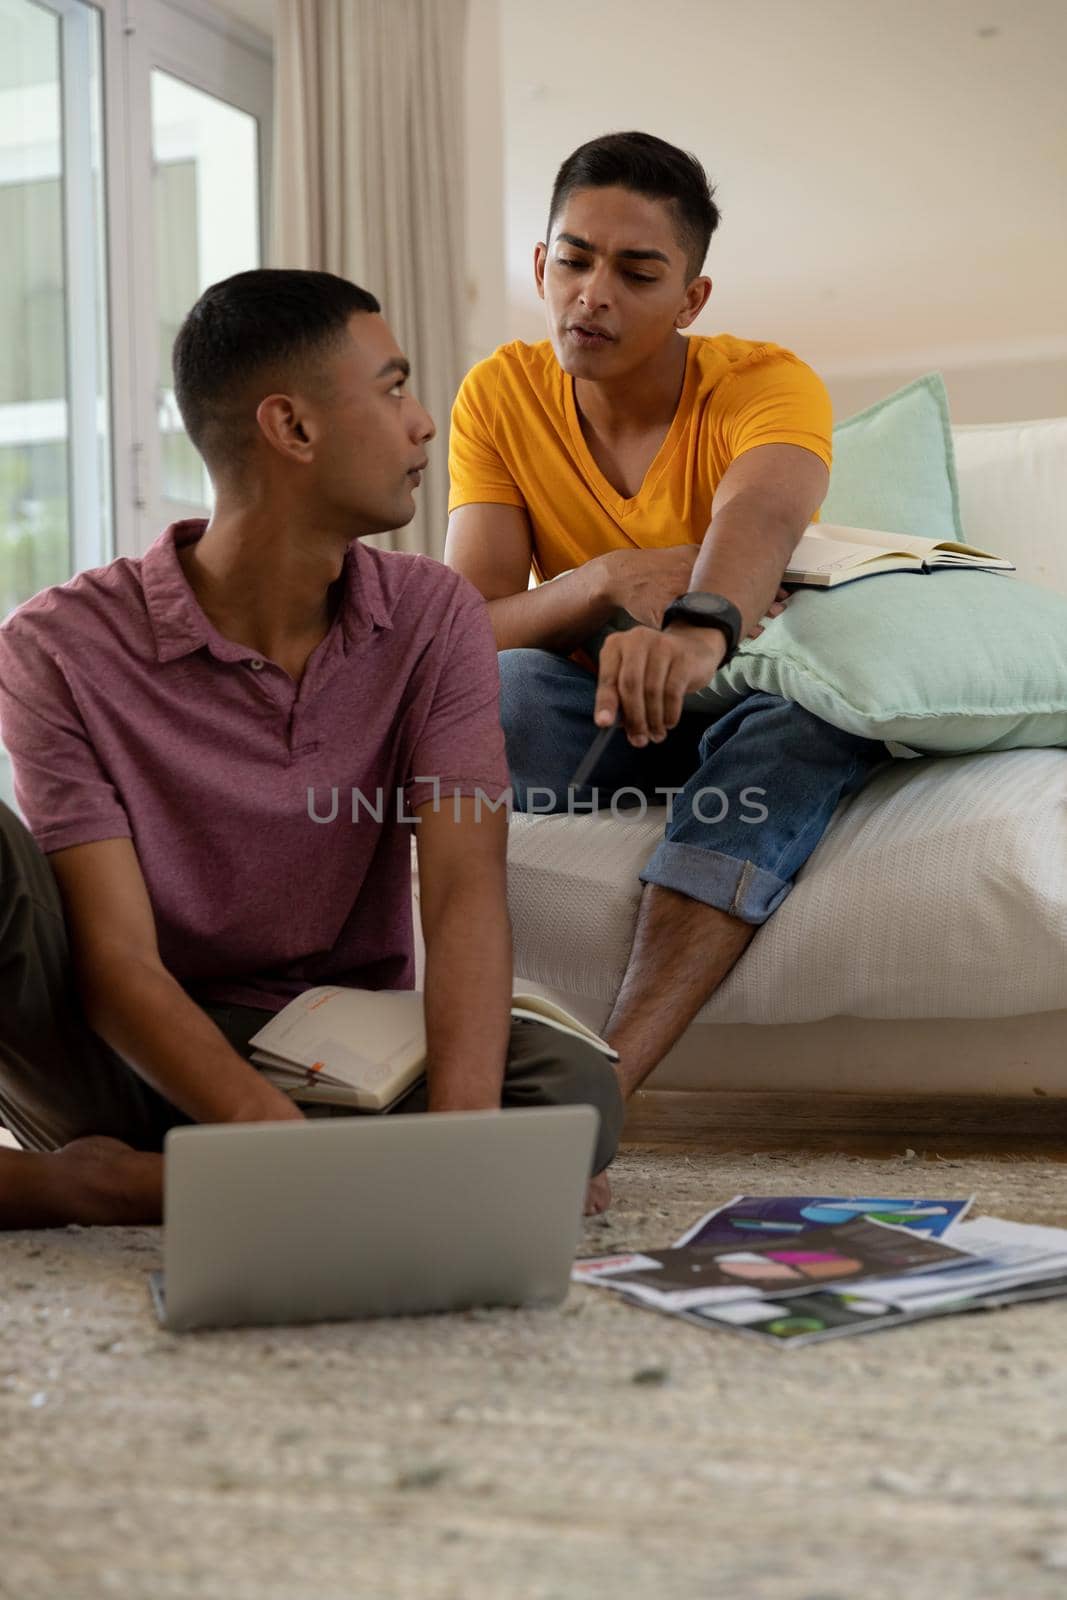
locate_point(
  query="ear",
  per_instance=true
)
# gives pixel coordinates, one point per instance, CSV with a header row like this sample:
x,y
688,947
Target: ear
x,y
283,426
540,257
696,298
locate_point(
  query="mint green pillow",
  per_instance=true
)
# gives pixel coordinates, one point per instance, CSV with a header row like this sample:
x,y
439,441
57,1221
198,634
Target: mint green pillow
x,y
941,662
894,466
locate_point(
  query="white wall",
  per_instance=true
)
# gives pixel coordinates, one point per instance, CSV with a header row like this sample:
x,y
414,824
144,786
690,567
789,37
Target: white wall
x,y
892,174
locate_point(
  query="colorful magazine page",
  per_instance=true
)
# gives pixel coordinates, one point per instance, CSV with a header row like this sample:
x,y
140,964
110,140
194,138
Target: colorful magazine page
x,y
748,1217
828,1314
615,1272
841,1255
800,1320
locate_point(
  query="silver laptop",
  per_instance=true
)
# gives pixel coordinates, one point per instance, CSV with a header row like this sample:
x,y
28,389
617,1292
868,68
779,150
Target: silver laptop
x,y
371,1216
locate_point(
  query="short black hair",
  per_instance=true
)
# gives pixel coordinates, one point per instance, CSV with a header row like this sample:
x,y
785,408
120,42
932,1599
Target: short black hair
x,y
648,166
250,323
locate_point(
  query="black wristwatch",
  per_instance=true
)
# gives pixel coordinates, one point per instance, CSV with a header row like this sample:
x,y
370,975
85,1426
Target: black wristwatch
x,y
708,611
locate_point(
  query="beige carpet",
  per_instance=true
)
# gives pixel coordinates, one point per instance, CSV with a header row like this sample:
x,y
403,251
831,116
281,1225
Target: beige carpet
x,y
596,1450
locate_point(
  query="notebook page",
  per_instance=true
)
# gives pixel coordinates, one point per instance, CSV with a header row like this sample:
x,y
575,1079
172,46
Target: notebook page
x,y
833,555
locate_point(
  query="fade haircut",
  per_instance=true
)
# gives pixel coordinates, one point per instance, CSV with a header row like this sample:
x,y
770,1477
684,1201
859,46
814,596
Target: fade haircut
x,y
654,168
275,324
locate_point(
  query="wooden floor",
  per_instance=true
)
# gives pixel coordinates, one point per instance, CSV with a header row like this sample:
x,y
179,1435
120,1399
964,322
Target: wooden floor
x,y
865,1125
879,1126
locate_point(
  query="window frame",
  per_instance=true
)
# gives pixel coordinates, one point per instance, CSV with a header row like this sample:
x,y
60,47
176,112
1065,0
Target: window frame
x,y
86,356
213,52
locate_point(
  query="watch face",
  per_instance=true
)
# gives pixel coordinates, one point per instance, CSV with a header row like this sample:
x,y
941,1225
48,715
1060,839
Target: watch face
x,y
706,605
709,611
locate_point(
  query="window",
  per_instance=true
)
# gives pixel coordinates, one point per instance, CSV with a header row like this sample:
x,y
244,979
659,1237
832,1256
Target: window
x,y
55,469
200,126
206,221
134,142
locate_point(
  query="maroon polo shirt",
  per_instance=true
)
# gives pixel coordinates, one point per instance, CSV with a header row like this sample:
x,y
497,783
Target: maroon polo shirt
x,y
127,715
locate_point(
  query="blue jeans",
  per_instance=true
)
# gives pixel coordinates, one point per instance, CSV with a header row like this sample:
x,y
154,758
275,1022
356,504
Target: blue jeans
x,y
749,793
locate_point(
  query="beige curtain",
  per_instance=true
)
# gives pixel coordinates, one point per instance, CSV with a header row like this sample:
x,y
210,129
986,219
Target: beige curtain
x,y
369,183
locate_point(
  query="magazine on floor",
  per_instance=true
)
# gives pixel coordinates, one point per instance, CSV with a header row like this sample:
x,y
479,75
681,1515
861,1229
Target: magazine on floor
x,y
828,1315
747,1216
846,1253
796,1270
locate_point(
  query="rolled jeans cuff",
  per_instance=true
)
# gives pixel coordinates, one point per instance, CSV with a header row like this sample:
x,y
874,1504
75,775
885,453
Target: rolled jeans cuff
x,y
735,886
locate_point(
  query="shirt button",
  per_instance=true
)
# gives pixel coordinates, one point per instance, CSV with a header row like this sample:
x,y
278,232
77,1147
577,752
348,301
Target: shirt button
x,y
257,666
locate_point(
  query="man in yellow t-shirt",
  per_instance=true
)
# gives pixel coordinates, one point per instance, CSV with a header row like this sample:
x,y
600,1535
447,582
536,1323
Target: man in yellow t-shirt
x,y
670,476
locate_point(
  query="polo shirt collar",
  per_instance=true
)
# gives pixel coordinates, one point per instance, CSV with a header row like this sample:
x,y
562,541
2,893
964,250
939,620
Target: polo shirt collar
x,y
180,626
365,603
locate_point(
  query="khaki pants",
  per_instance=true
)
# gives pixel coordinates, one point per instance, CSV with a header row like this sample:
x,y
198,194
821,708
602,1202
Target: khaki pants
x,y
59,1080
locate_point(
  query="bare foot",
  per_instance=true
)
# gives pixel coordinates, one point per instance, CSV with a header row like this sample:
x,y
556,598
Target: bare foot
x,y
597,1195
91,1180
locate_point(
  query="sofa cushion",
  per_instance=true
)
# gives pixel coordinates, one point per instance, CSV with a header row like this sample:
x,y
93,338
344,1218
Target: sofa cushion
x,y
939,890
943,662
1013,494
894,466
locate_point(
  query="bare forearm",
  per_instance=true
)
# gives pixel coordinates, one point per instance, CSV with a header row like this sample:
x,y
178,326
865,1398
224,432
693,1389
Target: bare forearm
x,y
143,1012
743,557
557,615
468,1000
92,1180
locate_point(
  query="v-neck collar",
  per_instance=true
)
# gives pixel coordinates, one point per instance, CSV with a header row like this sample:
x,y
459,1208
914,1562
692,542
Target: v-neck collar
x,y
609,496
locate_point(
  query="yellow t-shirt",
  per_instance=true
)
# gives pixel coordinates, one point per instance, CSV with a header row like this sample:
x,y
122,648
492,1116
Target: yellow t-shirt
x,y
517,441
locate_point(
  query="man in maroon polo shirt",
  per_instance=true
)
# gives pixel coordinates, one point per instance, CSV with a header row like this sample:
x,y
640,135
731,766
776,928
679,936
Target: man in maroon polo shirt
x,y
222,750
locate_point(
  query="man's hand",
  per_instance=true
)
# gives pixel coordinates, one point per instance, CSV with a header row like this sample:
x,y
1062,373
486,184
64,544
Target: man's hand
x,y
646,675
643,582
100,1180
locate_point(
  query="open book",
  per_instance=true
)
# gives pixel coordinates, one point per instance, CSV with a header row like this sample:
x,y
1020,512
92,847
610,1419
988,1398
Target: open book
x,y
365,1048
828,555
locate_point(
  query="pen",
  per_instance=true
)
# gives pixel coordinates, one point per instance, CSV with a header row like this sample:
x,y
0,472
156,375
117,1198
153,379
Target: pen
x,y
591,760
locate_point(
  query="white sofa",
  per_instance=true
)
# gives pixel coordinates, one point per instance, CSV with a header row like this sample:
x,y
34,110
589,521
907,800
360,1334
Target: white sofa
x,y
924,946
